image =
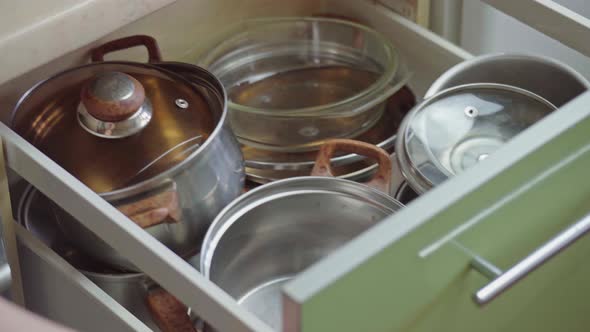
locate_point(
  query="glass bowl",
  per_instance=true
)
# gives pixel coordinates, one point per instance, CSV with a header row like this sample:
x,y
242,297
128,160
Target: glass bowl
x,y
293,82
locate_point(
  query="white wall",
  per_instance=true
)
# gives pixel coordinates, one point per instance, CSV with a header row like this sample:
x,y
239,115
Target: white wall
x,y
487,30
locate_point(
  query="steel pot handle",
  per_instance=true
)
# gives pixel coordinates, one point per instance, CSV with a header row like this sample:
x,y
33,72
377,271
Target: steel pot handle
x,y
168,313
381,180
154,54
154,210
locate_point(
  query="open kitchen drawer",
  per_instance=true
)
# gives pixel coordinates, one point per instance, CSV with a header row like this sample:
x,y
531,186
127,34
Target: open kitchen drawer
x,y
411,272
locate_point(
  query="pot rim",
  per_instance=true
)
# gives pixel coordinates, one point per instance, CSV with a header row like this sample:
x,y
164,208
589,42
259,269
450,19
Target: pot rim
x,y
170,172
437,85
375,91
250,200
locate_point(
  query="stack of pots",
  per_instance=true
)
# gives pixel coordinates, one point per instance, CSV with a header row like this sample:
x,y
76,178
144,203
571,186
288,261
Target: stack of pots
x,y
150,138
293,83
154,140
472,110
157,141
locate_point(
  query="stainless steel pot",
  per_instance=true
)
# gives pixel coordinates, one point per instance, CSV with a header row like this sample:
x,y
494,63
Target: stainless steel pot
x,y
173,193
134,291
546,77
273,232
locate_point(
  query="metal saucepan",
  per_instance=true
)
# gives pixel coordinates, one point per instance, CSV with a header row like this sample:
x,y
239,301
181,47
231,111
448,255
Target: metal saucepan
x,y
136,292
122,129
534,73
273,232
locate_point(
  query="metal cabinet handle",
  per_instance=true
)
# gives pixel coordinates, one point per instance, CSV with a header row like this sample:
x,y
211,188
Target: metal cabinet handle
x,y
505,280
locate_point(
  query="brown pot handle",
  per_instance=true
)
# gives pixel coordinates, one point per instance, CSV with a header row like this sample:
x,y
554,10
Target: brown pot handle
x,y
380,181
169,314
154,55
154,210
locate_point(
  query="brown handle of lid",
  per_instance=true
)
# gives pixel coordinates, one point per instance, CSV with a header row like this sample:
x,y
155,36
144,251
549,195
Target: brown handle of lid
x,y
154,210
169,314
154,54
381,180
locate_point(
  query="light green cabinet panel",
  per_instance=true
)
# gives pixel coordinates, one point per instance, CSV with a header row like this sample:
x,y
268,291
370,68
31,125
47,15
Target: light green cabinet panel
x,y
552,298
422,280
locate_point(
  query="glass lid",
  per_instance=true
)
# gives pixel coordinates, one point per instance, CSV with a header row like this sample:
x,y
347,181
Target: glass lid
x,y
113,125
461,126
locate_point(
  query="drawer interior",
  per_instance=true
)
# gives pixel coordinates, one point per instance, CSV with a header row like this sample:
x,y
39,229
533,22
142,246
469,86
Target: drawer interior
x,y
187,28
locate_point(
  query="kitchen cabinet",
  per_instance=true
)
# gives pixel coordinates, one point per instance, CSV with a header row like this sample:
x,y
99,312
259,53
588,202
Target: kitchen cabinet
x,y
413,271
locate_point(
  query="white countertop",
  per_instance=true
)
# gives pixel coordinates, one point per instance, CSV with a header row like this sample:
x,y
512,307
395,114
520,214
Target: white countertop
x,y
34,32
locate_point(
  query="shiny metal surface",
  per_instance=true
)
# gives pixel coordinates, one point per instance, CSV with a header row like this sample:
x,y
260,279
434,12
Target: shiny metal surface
x,y
459,127
128,289
486,268
294,82
279,229
205,181
120,129
531,72
177,152
112,87
265,301
5,277
114,105
530,263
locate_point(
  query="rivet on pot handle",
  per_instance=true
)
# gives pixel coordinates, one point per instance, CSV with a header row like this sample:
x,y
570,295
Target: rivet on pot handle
x,y
169,314
382,178
154,210
154,54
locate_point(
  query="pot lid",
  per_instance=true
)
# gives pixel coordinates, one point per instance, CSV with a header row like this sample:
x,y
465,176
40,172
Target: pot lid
x,y
462,126
114,124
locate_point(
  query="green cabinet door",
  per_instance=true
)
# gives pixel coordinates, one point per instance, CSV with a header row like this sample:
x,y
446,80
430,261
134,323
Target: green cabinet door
x,y
413,271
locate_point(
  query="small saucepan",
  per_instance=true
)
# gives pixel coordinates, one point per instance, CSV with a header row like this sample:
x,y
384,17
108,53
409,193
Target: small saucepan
x,y
275,231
